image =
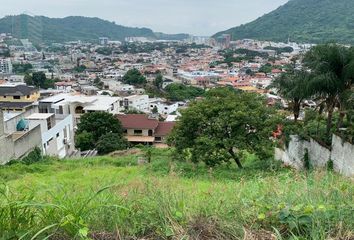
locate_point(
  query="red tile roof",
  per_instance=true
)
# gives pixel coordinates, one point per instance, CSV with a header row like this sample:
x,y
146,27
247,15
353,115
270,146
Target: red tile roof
x,y
164,128
137,121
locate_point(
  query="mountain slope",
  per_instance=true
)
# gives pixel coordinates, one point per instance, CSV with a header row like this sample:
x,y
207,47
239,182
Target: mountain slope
x,y
314,21
44,29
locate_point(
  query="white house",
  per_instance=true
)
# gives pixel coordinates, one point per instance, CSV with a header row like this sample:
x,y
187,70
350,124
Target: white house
x,y
57,135
162,106
135,102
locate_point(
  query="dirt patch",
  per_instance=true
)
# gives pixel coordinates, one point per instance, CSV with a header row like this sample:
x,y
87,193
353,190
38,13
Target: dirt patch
x,y
203,228
124,153
105,236
258,235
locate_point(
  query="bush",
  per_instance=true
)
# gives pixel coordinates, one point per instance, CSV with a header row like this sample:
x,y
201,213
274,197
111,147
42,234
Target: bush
x,y
111,142
32,157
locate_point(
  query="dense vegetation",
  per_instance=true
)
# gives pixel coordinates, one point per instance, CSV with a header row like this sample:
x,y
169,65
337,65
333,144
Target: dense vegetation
x,y
113,198
134,77
316,21
181,92
44,29
224,125
39,79
327,77
100,130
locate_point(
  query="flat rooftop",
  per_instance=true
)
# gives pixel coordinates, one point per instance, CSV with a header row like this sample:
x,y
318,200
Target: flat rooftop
x,y
36,116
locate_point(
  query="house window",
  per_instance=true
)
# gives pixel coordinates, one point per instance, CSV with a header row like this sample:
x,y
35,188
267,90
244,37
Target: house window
x,y
17,97
158,139
79,110
138,132
28,96
125,131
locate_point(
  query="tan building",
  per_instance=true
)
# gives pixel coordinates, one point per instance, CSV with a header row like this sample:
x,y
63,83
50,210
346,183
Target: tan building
x,y
141,129
17,97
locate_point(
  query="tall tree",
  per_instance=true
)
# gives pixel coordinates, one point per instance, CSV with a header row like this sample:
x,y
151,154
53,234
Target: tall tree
x,y
293,86
134,77
218,128
158,81
100,130
332,68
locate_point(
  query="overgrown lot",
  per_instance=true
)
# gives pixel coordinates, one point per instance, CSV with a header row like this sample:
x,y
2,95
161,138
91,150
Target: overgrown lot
x,y
113,198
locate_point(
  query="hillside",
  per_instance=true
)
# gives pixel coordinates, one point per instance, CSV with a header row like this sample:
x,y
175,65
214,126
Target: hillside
x,y
314,21
106,198
44,29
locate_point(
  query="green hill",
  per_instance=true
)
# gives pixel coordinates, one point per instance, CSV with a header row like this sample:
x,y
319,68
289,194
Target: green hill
x,y
114,198
44,29
315,21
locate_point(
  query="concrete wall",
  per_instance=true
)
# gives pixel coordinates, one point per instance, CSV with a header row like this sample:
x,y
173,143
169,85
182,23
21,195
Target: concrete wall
x,y
11,124
14,148
342,154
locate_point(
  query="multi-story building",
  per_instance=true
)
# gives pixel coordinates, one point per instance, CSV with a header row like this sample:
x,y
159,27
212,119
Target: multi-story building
x,y
76,105
135,102
162,106
5,66
17,144
57,134
17,97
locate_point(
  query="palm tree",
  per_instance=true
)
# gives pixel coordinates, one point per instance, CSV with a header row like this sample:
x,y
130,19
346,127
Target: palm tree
x,y
332,68
293,87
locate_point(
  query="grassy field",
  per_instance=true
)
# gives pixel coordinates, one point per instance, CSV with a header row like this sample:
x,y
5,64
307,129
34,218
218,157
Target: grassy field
x,y
113,198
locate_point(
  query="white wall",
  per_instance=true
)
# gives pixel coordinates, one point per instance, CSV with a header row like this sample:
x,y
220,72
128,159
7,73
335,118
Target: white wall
x,y
54,138
342,154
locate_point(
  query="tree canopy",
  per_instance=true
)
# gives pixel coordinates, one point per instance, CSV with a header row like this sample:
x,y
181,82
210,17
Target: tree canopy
x,y
181,92
332,68
39,80
293,86
97,129
227,122
134,77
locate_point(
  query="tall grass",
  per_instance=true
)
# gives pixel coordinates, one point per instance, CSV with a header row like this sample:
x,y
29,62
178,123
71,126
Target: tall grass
x,y
108,198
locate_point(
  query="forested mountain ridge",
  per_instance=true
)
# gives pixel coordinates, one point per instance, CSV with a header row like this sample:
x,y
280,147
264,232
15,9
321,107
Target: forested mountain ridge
x,y
315,21
73,28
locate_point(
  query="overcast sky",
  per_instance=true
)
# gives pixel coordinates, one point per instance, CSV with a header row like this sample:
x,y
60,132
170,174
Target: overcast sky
x,y
198,17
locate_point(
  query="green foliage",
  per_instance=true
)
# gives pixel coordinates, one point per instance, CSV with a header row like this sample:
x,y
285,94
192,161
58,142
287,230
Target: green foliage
x,y
332,77
181,92
280,50
98,83
134,77
266,68
24,68
294,87
111,142
32,157
158,81
93,126
84,141
302,21
39,80
59,30
211,129
104,51
89,198
79,69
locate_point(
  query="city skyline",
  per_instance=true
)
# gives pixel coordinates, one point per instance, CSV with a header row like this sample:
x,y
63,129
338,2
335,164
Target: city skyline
x,y
197,17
